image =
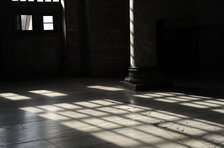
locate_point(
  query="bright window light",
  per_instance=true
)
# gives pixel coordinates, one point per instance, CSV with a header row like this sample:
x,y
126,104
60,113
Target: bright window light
x,y
219,110
144,96
117,139
32,109
132,108
100,87
155,95
215,102
49,26
73,115
50,108
163,116
67,106
103,102
112,110
54,117
48,93
194,105
87,104
48,19
188,98
103,124
121,120
207,104
26,22
48,22
166,100
92,112
14,97
81,126
127,125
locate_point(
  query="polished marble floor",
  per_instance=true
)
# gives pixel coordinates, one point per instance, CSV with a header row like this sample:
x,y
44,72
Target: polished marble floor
x,y
98,113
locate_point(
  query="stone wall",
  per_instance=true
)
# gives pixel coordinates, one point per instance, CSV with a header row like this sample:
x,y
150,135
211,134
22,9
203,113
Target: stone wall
x,y
190,34
108,30
211,33
73,36
97,37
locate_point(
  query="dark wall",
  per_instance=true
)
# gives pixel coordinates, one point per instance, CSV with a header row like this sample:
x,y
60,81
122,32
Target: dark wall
x,y
96,42
6,39
177,34
35,53
108,37
190,34
211,33
97,37
38,52
73,15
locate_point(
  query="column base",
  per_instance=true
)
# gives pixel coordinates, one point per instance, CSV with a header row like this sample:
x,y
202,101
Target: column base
x,y
142,79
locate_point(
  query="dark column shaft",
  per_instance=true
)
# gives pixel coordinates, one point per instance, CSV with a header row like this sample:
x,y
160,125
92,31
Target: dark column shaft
x,y
142,33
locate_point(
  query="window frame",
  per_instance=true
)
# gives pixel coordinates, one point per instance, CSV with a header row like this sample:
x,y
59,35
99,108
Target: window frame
x,y
19,22
53,22
37,10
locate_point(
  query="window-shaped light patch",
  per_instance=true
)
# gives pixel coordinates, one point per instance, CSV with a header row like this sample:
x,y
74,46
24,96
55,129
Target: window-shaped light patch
x,y
105,102
14,97
24,22
87,104
107,88
81,126
118,139
50,108
32,109
48,22
48,93
67,106
52,116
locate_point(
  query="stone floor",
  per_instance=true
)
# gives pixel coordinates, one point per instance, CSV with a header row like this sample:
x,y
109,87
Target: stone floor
x,y
70,113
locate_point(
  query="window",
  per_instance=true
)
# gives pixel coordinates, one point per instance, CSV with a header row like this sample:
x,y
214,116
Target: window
x,y
25,22
48,23
37,15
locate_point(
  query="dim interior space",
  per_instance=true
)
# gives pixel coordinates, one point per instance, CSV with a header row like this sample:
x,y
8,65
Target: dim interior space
x,y
111,74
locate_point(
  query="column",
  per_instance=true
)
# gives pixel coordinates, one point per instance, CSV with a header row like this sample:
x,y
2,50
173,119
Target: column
x,y
144,73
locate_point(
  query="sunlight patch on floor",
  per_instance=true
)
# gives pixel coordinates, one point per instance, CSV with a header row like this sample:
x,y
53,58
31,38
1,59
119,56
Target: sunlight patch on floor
x,y
128,125
48,93
14,96
107,88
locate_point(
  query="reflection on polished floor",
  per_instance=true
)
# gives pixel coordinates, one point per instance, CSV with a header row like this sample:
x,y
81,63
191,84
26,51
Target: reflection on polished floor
x,y
71,113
